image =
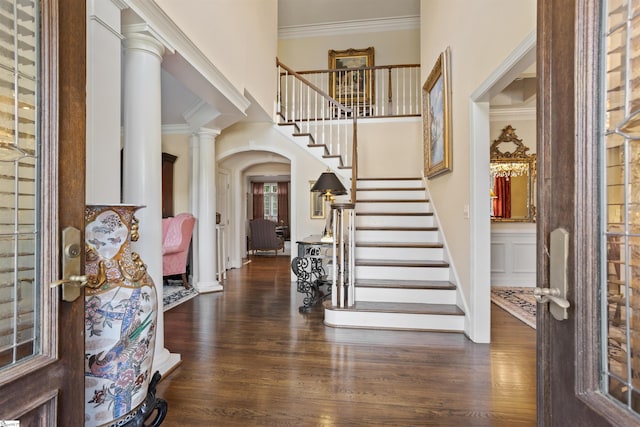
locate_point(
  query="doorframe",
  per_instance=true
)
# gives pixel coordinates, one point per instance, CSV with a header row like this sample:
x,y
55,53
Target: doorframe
x,y
523,56
569,46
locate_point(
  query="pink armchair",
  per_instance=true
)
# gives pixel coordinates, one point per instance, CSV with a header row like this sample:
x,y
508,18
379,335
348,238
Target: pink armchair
x,y
176,236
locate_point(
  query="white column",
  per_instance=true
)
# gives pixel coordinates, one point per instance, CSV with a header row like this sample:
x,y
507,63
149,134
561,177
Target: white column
x,y
143,164
207,213
104,52
194,185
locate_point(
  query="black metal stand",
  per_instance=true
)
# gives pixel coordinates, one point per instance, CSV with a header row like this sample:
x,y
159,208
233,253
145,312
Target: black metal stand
x,y
150,406
310,277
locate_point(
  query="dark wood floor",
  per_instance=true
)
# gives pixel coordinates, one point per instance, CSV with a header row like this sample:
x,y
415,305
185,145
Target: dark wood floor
x,y
251,359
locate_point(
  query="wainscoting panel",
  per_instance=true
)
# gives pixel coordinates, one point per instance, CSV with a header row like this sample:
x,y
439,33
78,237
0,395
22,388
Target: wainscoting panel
x,y
513,255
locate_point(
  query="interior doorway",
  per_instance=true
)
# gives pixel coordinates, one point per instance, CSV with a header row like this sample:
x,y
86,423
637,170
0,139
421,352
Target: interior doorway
x,y
517,63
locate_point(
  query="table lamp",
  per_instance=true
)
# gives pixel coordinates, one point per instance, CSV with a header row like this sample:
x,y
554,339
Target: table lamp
x,y
330,186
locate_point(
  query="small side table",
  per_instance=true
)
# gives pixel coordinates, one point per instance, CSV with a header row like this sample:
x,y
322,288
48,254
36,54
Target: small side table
x,y
309,268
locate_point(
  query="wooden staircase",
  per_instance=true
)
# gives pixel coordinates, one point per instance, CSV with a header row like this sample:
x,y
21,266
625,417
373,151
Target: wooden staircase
x,y
402,280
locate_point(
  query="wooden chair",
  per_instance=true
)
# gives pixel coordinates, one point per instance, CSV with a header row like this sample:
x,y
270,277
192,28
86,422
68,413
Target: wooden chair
x,y
263,237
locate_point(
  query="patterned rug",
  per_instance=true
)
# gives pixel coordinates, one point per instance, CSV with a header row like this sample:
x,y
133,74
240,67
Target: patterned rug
x,y
175,294
519,302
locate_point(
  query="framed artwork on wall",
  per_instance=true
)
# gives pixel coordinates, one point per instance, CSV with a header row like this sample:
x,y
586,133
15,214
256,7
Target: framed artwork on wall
x,y
349,82
317,203
436,118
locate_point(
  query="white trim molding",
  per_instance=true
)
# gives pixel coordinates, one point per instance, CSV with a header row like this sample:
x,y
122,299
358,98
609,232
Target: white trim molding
x,y
524,113
350,27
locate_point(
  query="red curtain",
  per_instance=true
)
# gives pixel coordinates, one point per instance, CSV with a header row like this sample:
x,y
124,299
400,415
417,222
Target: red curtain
x,y
258,199
283,203
502,202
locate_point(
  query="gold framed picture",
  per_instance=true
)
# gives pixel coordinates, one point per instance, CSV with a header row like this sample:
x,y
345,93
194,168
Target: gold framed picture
x,y
436,118
349,80
317,203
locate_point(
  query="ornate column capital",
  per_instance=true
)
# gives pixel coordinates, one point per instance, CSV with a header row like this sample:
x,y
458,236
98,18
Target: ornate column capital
x,y
139,41
207,133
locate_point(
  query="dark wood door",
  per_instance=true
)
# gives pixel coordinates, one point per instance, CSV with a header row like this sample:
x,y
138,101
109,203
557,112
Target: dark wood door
x,y
42,367
167,184
579,191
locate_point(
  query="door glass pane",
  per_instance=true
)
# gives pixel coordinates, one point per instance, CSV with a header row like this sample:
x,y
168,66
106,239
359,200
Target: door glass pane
x,y
20,292
621,196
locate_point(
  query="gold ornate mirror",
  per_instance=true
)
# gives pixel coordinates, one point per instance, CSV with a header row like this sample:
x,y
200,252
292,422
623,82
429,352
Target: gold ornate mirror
x,y
513,179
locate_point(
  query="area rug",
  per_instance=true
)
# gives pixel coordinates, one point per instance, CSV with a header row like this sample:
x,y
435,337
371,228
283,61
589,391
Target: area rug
x,y
272,253
175,294
518,302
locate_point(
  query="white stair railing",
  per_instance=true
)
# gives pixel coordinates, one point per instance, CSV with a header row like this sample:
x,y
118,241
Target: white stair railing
x,y
343,280
314,113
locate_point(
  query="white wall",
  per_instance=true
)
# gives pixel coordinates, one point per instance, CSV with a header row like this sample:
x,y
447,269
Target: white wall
x,y
390,148
238,36
233,149
481,35
525,129
178,145
103,109
312,53
513,254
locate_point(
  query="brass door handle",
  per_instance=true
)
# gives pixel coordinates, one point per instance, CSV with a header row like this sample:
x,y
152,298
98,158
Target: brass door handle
x,y
76,281
72,280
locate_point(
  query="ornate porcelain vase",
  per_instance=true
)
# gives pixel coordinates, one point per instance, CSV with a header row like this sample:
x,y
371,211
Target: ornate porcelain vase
x,y
120,318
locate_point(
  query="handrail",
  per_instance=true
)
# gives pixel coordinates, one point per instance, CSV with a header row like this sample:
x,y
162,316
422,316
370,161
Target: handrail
x,y
312,86
317,125
380,91
375,67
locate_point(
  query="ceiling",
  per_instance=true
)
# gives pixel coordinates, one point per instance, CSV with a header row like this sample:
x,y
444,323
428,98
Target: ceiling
x,y
313,12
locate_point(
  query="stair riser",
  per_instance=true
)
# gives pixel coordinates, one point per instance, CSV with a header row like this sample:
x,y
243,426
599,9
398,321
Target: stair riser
x,y
392,195
409,183
396,236
357,319
412,207
394,221
413,254
420,296
401,273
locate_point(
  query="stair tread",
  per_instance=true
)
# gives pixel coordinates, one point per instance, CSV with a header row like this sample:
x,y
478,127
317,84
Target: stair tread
x,y
403,308
400,263
398,245
394,213
405,284
391,228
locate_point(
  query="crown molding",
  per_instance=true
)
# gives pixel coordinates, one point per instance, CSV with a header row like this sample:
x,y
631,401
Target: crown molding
x,y
120,4
350,27
177,129
521,113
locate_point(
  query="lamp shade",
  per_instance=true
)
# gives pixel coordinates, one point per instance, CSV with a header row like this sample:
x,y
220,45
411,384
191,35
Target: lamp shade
x,y
329,182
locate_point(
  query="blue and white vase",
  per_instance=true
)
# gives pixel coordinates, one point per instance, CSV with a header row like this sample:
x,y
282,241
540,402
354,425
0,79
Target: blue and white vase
x,y
120,318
